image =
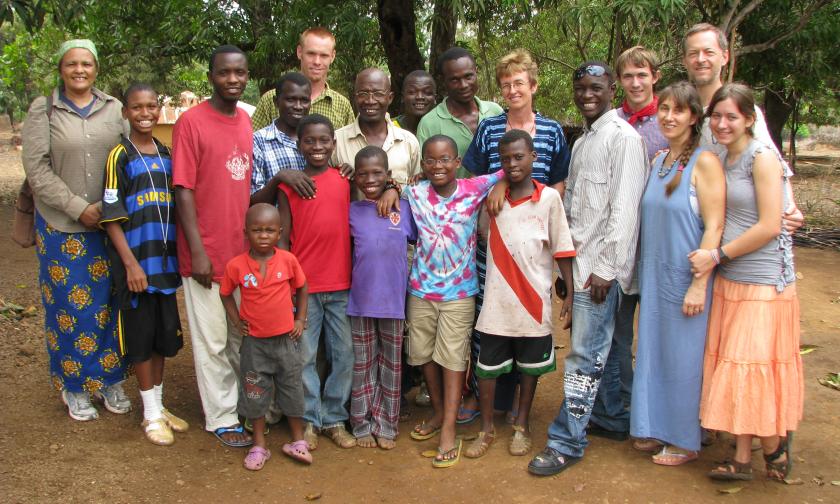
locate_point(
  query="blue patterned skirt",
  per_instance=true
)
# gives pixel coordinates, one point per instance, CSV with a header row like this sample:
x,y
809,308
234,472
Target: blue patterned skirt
x,y
79,313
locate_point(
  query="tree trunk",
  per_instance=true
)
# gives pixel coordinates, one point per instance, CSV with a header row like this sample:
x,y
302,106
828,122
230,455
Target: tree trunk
x,y
777,109
399,39
444,25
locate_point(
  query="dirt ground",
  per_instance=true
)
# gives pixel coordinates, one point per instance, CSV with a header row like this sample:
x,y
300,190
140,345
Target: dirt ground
x,y
47,457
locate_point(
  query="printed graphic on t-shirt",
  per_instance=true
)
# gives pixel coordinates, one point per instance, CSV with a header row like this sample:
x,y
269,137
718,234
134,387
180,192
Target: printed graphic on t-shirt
x,y
237,164
249,280
395,218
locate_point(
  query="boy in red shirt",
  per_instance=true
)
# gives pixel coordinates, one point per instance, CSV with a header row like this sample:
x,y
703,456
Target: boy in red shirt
x,y
319,232
270,358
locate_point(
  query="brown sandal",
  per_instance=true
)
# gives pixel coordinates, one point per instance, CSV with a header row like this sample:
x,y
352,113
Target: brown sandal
x,y
478,448
732,470
779,471
520,443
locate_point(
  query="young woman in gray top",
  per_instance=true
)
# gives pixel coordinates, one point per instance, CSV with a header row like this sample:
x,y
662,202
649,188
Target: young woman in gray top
x,y
752,383
66,140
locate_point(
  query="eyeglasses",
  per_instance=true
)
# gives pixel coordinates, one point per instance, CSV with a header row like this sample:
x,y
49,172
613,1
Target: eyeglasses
x,y
593,70
431,163
379,95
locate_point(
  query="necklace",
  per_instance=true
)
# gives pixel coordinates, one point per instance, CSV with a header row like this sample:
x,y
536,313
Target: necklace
x,y
663,171
164,226
532,130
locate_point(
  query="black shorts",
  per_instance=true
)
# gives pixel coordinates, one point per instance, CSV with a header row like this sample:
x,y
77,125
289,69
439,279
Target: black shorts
x,y
533,355
152,325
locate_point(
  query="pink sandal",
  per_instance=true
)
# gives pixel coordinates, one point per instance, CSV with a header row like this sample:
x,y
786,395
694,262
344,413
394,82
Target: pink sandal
x,y
298,451
256,458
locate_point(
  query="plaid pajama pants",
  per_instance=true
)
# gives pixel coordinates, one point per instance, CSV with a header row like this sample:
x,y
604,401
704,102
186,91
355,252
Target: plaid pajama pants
x,y
375,400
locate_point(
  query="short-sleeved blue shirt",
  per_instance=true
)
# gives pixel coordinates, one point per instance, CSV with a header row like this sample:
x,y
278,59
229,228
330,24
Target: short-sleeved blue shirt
x,y
551,165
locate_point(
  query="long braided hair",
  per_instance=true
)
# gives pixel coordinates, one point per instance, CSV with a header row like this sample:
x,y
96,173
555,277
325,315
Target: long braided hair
x,y
684,95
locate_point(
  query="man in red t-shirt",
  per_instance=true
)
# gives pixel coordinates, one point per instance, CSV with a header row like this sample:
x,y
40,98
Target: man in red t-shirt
x,y
212,147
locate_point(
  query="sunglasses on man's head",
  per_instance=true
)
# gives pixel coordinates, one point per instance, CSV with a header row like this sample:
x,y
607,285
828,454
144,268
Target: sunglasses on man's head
x,y
593,70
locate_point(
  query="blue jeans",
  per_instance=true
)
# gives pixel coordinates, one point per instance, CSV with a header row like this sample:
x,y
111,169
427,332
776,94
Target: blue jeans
x,y
592,334
327,309
610,407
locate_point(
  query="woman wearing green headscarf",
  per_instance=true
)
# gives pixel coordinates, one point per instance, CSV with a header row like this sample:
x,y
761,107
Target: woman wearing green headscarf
x,y
66,139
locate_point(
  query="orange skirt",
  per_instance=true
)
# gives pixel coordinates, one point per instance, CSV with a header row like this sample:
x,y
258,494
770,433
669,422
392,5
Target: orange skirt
x,y
752,371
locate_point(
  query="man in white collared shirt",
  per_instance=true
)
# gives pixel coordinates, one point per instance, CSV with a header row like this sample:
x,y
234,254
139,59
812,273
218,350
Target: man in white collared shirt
x,y
607,175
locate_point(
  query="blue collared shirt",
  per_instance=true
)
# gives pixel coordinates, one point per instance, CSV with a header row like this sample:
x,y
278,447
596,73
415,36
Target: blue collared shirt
x,y
273,151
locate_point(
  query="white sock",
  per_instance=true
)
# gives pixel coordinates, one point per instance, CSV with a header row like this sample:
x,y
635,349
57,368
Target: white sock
x,y
159,395
151,410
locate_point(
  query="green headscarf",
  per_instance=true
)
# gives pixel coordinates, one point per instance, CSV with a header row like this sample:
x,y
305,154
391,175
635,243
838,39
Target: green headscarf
x,y
77,44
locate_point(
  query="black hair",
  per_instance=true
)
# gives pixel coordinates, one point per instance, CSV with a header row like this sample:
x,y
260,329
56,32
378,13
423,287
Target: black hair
x,y
440,138
137,87
314,119
588,67
516,135
452,54
224,49
419,74
370,152
296,78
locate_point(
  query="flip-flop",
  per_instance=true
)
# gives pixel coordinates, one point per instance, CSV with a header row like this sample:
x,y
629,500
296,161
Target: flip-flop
x,y
669,456
299,451
256,458
467,415
250,426
440,464
419,436
233,444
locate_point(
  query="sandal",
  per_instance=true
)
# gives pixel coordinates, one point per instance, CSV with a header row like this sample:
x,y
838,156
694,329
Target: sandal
x,y
467,415
298,450
648,445
732,470
158,431
249,426
520,443
256,458
779,471
221,431
674,456
478,448
418,433
340,436
448,458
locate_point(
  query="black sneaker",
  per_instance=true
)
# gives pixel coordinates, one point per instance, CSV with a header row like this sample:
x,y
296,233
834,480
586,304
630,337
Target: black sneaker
x,y
550,462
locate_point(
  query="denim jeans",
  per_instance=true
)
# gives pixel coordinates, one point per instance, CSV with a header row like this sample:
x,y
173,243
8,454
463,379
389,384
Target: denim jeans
x,y
327,309
592,334
608,412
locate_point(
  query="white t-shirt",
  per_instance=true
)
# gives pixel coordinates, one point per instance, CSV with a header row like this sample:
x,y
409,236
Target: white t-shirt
x,y
523,242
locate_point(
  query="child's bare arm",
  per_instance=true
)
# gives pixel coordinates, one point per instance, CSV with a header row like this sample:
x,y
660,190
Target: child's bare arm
x,y
233,314
135,276
565,266
301,305
285,220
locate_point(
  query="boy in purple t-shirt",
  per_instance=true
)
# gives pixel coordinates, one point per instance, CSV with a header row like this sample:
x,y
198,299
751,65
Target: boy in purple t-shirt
x,y
377,303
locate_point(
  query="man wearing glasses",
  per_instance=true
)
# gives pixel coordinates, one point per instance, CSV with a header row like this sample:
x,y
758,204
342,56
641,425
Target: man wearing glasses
x,y
607,175
372,97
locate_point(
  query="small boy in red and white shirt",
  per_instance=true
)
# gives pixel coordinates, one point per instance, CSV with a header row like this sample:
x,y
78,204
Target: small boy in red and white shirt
x,y
270,357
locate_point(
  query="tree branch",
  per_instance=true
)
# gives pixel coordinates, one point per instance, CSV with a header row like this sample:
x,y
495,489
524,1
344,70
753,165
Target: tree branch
x,y
741,15
803,21
555,60
727,18
704,14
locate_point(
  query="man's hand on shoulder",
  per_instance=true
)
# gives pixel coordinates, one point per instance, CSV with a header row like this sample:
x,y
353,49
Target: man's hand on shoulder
x,y
300,182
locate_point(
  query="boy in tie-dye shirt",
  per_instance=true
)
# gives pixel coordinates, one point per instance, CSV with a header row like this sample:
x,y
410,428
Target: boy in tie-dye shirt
x,y
442,285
